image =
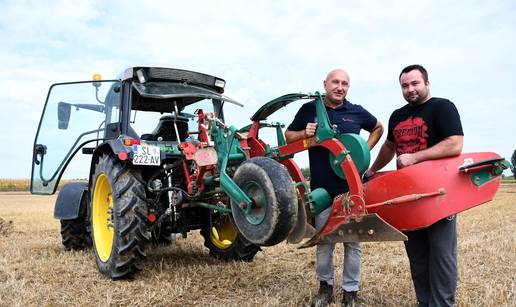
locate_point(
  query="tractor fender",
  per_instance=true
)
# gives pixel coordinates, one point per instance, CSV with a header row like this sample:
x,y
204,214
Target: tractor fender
x,y
107,147
69,199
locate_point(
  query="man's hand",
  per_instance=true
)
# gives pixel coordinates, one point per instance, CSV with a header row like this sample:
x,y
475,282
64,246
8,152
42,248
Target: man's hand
x,y
370,173
310,129
405,160
450,146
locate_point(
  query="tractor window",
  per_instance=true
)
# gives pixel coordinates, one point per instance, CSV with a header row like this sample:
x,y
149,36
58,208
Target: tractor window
x,y
147,122
74,114
206,105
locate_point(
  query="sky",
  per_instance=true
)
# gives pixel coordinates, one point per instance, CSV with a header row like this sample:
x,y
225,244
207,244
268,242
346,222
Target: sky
x,y
264,49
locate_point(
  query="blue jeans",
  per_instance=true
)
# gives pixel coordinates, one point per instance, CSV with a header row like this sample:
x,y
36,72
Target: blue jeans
x,y
352,259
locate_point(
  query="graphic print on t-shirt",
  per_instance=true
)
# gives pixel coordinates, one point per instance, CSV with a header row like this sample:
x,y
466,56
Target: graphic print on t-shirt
x,y
410,135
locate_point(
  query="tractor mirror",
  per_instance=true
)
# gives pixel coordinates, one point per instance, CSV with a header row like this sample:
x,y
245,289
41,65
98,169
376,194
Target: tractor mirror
x,y
63,115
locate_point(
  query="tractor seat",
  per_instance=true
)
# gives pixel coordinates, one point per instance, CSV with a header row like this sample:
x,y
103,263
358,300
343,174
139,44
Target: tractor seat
x,y
165,128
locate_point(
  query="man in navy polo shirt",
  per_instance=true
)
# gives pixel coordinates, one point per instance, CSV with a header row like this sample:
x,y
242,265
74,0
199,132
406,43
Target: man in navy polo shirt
x,y
349,118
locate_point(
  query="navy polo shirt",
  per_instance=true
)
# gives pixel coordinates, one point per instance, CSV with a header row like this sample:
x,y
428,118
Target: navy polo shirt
x,y
349,118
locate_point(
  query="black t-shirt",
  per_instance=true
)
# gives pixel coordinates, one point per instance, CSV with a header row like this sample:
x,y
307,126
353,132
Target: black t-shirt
x,y
349,118
415,128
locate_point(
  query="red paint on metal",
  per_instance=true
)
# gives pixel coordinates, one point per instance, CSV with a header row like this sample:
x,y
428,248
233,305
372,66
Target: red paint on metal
x,y
253,131
205,156
188,149
187,177
203,126
295,173
407,198
461,194
256,146
344,207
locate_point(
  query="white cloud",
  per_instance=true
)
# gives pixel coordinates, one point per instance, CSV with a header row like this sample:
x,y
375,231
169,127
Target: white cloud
x,y
266,49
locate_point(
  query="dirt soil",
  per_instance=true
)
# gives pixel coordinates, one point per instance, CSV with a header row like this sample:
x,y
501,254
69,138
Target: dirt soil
x,y
35,270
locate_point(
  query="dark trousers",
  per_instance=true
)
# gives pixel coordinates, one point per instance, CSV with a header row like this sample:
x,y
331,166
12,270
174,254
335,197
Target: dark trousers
x,y
432,253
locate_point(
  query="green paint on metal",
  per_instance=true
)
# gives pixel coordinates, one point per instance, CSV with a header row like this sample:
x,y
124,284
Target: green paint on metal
x,y
272,106
483,175
358,149
211,207
226,144
279,134
319,201
324,129
304,185
209,181
237,157
256,212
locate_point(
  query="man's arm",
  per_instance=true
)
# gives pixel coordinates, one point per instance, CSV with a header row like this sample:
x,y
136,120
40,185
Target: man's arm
x,y
385,155
450,146
292,136
375,135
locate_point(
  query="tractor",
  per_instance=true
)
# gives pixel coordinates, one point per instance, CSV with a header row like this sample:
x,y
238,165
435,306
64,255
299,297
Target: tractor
x,y
163,162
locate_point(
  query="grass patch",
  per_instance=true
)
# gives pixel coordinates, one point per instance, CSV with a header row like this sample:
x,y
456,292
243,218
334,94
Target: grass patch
x,y
23,185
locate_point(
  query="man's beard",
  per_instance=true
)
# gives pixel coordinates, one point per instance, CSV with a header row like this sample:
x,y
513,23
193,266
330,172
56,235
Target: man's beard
x,y
419,100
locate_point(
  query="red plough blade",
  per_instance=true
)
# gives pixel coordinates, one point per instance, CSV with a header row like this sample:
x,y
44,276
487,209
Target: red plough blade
x,y
366,228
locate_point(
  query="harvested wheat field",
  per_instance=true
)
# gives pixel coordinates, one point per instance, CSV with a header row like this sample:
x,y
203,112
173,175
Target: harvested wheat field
x,y
35,270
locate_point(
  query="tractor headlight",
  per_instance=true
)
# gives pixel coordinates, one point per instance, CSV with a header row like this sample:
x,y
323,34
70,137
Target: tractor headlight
x,y
220,83
141,76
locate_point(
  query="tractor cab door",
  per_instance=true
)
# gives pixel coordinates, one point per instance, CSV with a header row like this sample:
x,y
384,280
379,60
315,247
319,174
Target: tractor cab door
x,y
74,115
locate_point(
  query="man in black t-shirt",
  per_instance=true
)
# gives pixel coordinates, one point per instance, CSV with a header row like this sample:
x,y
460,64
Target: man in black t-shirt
x,y
348,118
426,128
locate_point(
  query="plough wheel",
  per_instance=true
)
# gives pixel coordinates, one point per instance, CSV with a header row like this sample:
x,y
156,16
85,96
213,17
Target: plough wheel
x,y
273,213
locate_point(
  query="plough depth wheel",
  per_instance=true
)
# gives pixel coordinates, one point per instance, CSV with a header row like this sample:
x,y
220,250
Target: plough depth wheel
x,y
273,212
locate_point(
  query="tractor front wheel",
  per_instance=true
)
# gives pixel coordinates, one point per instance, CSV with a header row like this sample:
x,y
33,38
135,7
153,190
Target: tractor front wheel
x,y
117,215
75,233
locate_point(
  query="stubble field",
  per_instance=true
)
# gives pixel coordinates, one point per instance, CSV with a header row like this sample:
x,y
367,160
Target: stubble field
x,y
35,270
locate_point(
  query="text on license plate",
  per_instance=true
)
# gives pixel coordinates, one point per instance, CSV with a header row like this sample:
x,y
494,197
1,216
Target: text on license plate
x,y
146,155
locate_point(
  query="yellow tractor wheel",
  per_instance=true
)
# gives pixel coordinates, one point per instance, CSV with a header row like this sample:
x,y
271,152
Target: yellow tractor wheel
x,y
224,241
117,215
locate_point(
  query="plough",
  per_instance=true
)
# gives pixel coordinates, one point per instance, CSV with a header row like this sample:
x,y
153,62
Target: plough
x,y
390,202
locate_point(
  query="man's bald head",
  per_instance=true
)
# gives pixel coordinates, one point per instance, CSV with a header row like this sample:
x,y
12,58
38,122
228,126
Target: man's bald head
x,y
338,72
336,86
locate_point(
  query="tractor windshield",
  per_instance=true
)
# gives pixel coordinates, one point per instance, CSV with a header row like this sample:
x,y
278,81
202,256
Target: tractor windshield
x,y
153,102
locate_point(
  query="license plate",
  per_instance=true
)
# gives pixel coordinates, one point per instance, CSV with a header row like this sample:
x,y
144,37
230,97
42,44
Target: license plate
x,y
144,154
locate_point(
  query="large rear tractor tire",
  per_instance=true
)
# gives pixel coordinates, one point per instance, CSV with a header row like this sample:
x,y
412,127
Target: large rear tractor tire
x,y
117,213
225,242
273,214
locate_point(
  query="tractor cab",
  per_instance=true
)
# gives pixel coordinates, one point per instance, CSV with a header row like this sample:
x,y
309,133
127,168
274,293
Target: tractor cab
x,y
148,104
